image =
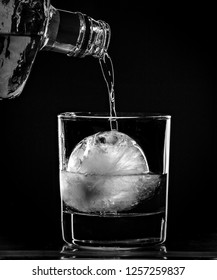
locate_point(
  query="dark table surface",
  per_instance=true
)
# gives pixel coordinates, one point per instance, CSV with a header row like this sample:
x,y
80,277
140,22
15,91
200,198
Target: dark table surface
x,y
201,247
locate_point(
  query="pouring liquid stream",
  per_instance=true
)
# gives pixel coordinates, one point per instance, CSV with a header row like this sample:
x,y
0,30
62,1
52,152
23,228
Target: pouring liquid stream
x,y
108,74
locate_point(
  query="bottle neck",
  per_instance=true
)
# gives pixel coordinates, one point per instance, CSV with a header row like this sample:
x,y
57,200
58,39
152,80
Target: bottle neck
x,y
76,34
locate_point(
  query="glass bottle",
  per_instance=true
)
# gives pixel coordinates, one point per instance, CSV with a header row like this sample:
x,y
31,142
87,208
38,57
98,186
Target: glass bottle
x,y
28,26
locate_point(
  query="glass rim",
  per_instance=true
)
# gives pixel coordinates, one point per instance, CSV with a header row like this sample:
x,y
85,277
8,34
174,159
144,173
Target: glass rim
x,y
106,115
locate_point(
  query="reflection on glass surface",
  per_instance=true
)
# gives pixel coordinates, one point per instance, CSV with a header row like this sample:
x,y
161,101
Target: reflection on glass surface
x,y
154,252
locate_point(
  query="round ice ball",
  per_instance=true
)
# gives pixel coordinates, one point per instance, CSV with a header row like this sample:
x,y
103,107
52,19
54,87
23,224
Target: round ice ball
x,y
106,172
109,152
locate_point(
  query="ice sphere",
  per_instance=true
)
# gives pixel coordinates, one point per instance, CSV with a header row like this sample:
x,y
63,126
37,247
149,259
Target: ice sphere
x,y
106,194
106,172
109,152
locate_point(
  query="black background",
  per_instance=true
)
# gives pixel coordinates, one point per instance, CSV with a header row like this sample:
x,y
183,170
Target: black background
x,y
164,56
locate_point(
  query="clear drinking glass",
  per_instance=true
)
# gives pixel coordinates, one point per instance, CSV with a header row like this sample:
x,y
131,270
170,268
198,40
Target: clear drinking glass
x,y
114,185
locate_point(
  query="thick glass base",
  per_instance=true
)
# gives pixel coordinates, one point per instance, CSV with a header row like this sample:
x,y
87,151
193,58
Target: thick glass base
x,y
114,232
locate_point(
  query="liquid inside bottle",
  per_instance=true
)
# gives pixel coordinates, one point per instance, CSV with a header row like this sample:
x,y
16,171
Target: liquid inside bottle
x,y
29,26
17,54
